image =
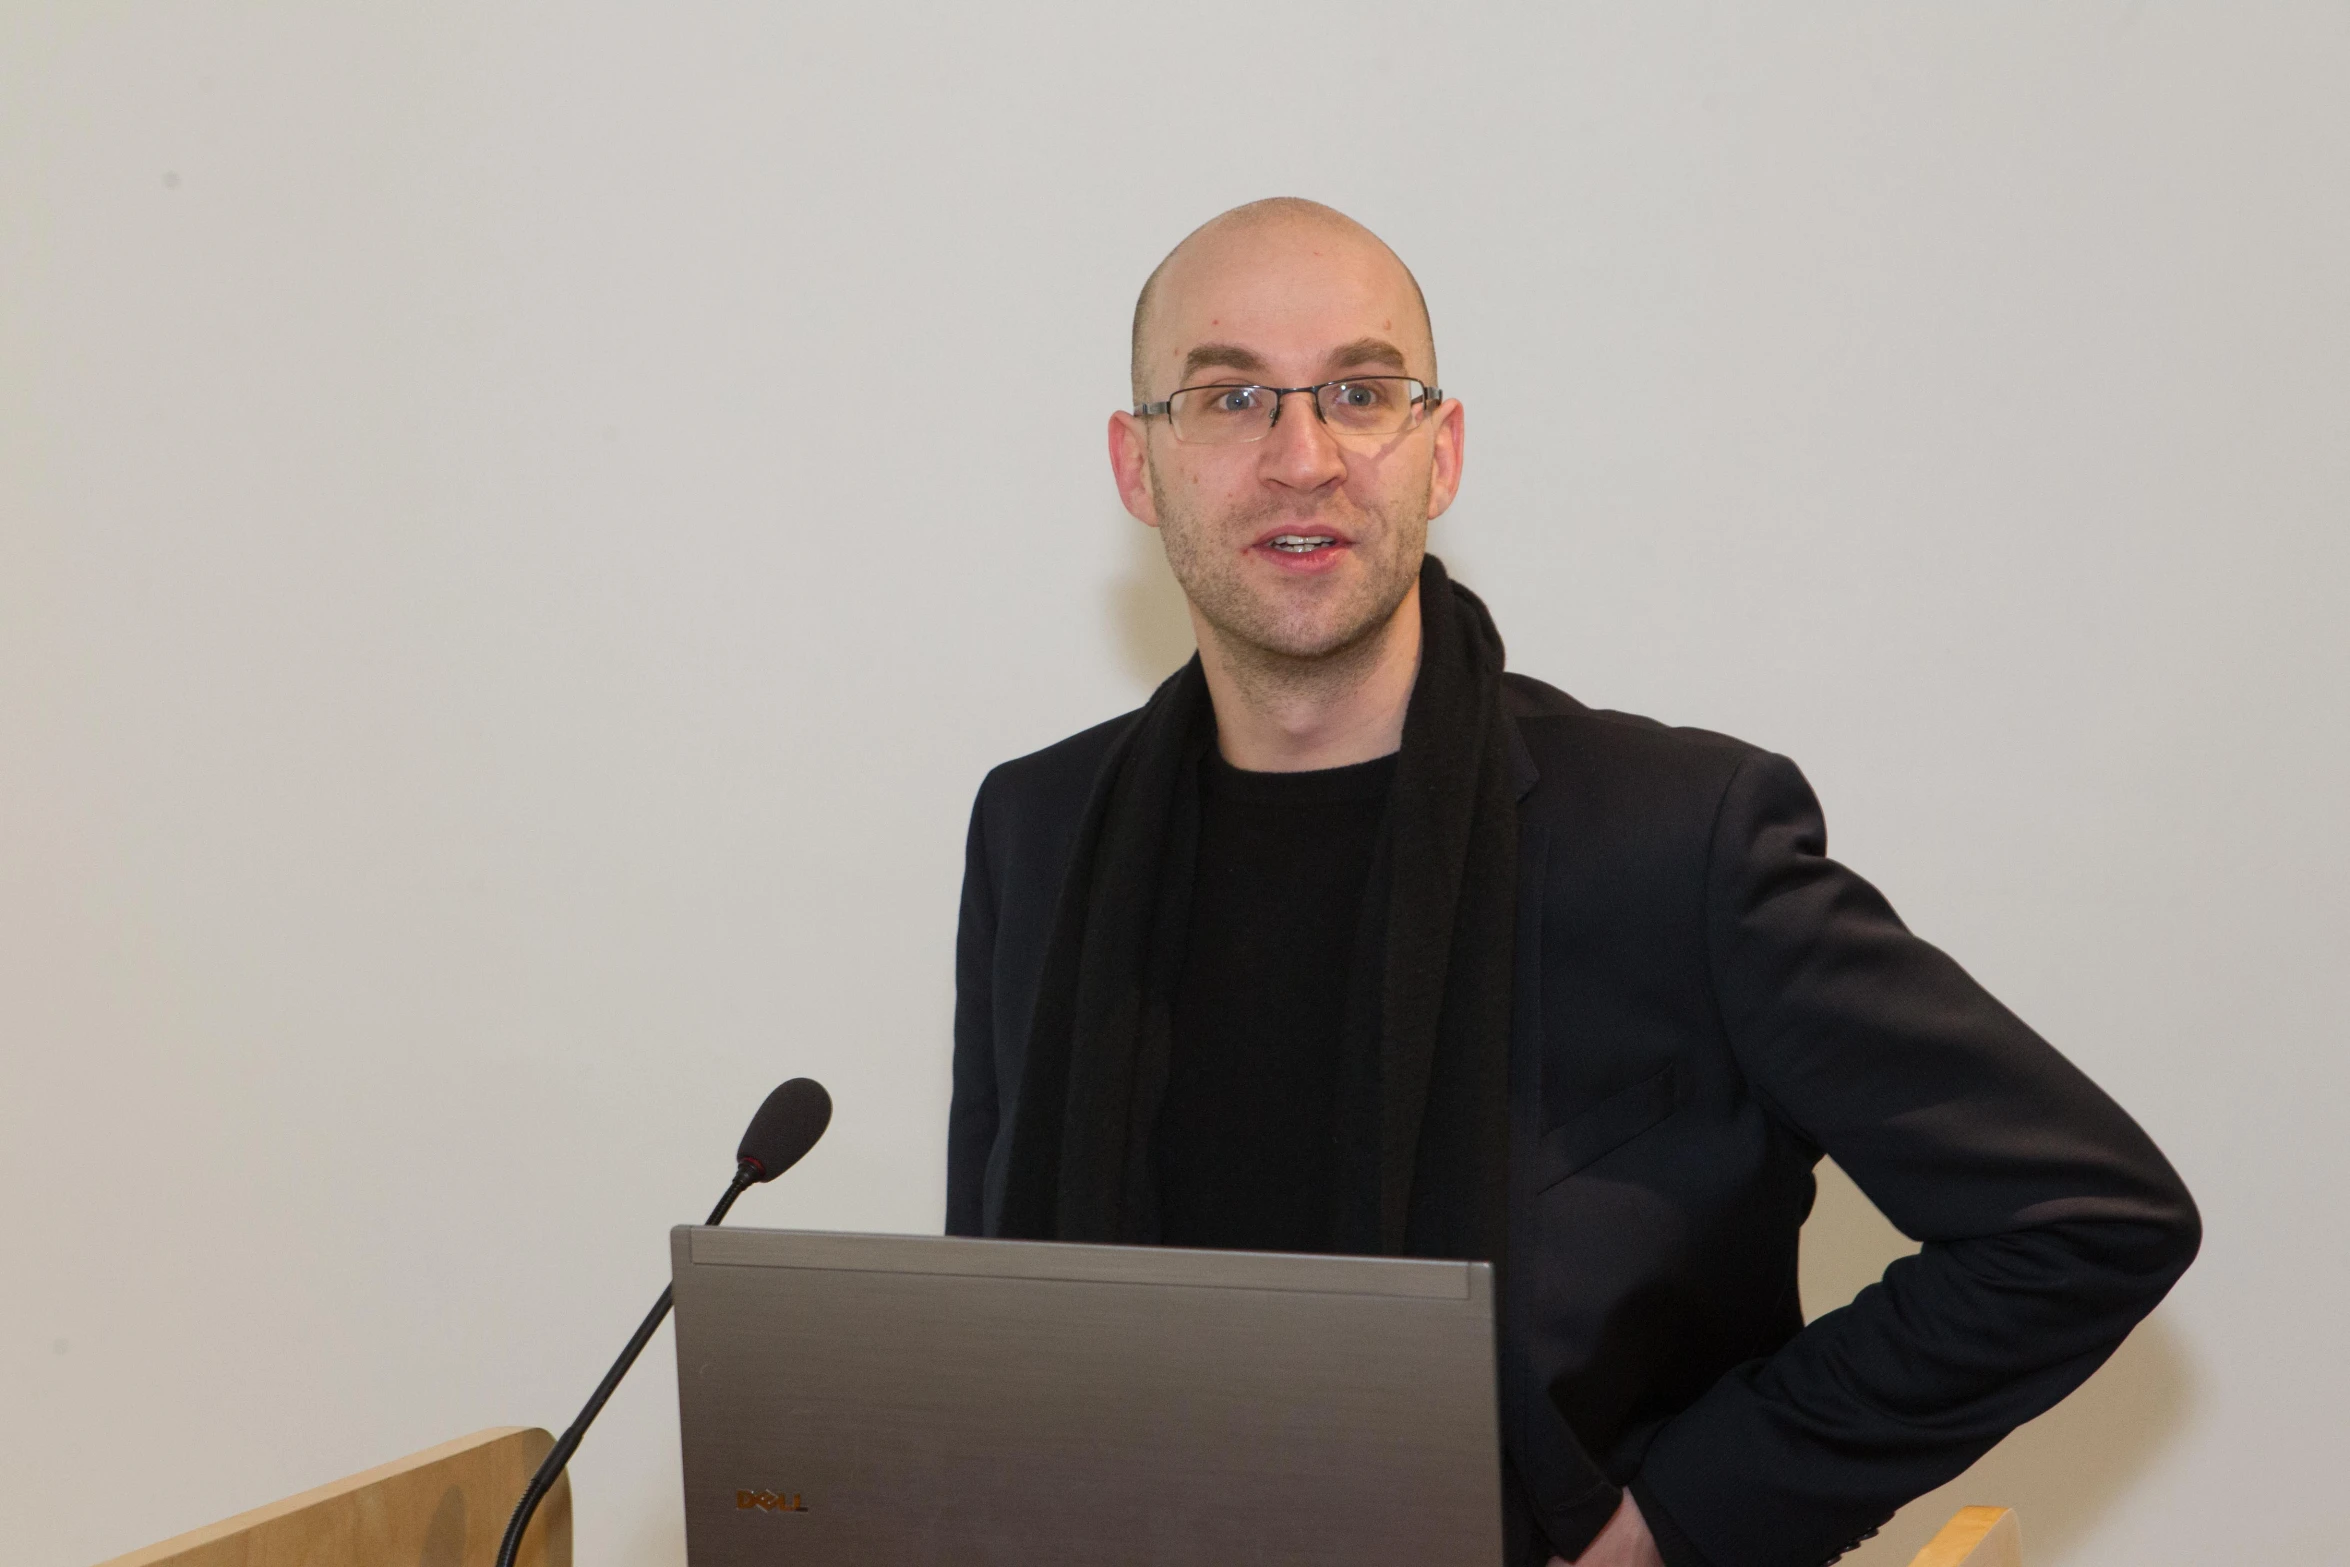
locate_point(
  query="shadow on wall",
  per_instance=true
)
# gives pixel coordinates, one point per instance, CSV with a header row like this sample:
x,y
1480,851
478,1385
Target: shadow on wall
x,y
1146,609
2062,1473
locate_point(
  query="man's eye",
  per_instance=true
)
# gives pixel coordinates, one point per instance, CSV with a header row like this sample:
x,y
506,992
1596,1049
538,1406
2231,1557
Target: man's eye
x,y
1238,400
1361,394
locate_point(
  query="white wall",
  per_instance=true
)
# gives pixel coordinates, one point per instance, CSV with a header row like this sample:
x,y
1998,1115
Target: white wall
x,y
521,526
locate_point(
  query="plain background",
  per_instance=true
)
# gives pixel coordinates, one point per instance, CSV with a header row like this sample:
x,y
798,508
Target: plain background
x,y
522,526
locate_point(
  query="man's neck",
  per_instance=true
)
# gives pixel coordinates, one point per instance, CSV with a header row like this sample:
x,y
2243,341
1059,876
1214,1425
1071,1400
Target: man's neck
x,y
1291,715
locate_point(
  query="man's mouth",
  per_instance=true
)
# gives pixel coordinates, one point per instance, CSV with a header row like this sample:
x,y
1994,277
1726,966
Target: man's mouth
x,y
1300,543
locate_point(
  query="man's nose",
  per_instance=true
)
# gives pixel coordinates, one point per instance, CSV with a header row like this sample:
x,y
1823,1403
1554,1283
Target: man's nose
x,y
1301,453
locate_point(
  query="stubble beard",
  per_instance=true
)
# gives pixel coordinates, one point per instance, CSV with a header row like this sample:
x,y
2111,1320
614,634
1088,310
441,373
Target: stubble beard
x,y
1283,639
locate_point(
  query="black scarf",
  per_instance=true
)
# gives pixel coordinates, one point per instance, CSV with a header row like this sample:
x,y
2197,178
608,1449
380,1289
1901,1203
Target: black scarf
x,y
1422,1128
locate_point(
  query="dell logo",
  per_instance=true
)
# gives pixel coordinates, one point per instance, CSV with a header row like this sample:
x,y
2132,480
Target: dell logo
x,y
770,1501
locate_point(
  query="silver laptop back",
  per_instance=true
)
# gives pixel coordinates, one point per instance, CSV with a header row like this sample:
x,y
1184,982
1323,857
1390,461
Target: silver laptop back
x,y
894,1400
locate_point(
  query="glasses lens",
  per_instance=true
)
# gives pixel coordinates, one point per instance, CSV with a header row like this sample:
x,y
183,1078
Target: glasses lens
x,y
1374,405
1221,415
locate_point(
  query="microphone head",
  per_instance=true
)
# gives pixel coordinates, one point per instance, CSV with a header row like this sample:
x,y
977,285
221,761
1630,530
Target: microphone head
x,y
785,1128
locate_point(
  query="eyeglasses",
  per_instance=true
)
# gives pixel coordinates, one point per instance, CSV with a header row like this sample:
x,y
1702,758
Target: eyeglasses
x,y
1230,413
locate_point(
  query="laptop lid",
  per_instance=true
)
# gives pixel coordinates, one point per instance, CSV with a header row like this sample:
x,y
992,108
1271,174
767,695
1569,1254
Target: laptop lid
x,y
892,1400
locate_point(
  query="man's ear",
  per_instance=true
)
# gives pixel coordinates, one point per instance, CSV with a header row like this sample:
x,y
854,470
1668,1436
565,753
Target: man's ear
x,y
1444,475
1130,465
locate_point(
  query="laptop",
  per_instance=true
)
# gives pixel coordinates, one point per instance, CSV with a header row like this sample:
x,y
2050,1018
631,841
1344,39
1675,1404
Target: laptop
x,y
893,1400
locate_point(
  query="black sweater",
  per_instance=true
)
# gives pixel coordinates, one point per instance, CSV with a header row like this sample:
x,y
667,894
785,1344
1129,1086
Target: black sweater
x,y
1245,1145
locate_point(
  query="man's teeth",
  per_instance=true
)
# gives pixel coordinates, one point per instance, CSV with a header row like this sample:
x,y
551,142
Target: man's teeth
x,y
1299,543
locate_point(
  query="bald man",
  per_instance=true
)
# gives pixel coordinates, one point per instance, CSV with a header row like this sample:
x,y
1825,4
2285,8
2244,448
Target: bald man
x,y
1351,940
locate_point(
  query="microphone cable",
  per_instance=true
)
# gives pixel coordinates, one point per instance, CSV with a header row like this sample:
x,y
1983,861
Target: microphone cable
x,y
786,1127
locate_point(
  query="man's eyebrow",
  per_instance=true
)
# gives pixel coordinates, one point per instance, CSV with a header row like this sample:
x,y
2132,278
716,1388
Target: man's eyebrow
x,y
1226,356
1231,356
1367,351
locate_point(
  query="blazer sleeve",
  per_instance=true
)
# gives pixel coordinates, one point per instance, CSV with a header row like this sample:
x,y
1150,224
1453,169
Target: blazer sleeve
x,y
2050,1223
972,1117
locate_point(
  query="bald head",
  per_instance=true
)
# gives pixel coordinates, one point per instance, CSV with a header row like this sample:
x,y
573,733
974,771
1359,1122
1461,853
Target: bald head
x,y
1235,265
1298,542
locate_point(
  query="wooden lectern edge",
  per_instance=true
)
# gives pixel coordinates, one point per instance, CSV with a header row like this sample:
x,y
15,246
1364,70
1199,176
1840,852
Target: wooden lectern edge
x,y
195,1539
1982,1536
1968,1529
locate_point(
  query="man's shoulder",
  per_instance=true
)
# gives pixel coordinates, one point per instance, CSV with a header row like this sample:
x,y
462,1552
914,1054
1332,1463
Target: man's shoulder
x,y
1560,729
1057,780
1620,779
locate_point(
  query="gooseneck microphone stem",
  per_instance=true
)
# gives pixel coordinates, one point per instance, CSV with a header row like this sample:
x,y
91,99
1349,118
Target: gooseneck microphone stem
x,y
747,1174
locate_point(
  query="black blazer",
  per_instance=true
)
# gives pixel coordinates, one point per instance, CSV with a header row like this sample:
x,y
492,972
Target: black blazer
x,y
1705,1005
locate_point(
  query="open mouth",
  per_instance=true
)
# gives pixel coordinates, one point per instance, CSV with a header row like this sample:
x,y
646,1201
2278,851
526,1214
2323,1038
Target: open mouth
x,y
1300,543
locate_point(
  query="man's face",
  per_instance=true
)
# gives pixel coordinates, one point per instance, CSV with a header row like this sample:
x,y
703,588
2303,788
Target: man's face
x,y
1306,542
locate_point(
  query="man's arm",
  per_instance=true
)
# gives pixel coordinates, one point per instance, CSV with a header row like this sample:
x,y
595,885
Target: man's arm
x,y
2050,1223
971,1121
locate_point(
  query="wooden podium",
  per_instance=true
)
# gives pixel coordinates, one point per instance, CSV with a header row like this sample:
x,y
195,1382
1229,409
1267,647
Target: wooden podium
x,y
1975,1537
444,1507
447,1507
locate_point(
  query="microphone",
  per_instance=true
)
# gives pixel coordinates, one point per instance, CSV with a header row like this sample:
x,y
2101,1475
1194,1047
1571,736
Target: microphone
x,y
779,1136
783,1131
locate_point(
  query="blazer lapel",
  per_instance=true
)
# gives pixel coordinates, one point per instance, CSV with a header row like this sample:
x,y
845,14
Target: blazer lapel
x,y
1571,1496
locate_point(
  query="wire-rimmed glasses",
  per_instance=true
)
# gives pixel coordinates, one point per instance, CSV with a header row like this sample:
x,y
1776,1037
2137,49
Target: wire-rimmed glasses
x,y
1228,413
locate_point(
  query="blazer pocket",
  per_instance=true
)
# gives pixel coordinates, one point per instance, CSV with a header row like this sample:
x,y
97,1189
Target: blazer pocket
x,y
1605,1127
